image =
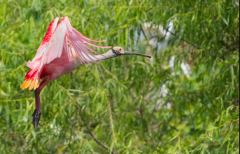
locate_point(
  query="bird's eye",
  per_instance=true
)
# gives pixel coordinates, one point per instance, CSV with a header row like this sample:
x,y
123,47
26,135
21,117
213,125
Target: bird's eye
x,y
120,49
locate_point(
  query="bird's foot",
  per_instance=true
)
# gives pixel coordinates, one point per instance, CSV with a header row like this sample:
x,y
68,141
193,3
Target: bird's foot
x,y
36,117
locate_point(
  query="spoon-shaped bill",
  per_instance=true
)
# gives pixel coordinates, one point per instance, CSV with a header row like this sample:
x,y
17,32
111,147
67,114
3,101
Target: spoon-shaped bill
x,y
132,53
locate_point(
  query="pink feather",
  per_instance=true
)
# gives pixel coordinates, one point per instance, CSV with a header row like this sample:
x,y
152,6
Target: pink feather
x,y
61,38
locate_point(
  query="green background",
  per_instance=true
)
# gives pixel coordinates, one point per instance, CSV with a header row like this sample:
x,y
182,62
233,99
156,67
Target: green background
x,y
120,99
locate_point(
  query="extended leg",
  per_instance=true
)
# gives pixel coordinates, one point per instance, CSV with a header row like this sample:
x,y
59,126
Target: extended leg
x,y
37,112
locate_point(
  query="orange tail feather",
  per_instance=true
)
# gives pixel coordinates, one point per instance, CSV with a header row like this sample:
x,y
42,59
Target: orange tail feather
x,y
30,81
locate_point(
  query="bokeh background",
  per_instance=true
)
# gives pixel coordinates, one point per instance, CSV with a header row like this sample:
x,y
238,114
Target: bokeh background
x,y
183,100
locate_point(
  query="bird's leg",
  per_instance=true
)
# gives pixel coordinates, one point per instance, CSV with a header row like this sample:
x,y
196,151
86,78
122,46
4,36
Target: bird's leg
x,y
37,112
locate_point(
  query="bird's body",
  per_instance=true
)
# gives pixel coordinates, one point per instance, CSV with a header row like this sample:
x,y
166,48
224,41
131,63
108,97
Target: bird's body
x,y
62,50
59,67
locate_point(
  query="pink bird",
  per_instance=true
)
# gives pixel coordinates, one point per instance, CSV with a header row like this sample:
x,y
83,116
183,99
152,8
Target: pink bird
x,y
62,50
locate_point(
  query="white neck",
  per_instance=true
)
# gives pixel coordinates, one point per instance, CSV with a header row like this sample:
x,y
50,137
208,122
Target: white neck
x,y
106,55
95,58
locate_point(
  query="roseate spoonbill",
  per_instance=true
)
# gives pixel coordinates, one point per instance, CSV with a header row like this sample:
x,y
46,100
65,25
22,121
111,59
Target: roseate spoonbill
x,y
62,50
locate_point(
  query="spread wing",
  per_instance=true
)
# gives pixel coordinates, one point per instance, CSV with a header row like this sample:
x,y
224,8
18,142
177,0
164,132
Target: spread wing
x,y
34,64
79,42
64,38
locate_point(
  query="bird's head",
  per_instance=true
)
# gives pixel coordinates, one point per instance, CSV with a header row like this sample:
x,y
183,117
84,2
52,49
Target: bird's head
x,y
118,51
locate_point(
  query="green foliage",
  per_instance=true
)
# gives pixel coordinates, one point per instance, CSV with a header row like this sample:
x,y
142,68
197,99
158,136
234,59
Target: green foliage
x,y
120,99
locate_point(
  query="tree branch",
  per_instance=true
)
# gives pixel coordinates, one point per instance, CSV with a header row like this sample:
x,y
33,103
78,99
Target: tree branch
x,y
90,132
194,45
111,124
174,34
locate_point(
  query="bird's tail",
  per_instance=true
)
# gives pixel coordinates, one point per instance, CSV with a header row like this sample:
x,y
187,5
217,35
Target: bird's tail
x,y
31,80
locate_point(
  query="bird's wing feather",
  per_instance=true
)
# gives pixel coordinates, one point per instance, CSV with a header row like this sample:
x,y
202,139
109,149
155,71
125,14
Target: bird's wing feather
x,y
55,47
79,43
63,38
37,58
